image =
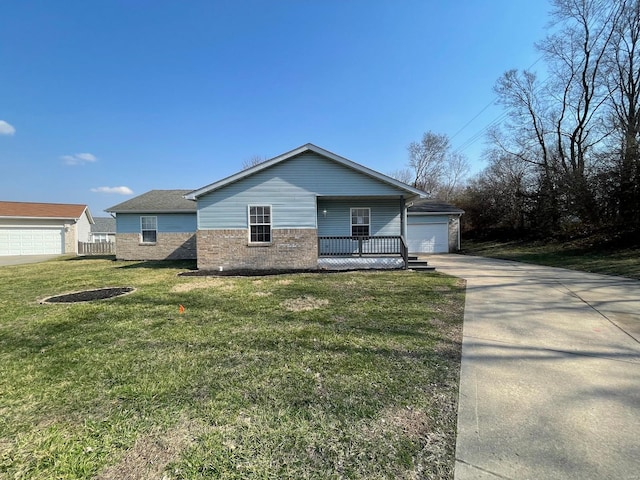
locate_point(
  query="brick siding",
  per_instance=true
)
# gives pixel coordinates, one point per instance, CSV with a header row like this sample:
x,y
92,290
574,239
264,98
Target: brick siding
x,y
70,234
169,246
295,249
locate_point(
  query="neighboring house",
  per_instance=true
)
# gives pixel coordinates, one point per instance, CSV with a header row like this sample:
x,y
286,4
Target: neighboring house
x,y
305,209
433,226
156,225
103,230
42,228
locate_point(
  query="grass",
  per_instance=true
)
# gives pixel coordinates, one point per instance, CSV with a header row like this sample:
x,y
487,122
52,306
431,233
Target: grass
x,y
350,375
581,255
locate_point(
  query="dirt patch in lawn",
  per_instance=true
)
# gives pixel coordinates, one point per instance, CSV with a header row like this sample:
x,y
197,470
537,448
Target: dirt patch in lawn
x,y
89,295
209,282
413,423
305,303
151,454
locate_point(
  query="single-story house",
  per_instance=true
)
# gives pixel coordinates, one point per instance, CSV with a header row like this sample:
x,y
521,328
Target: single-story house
x,y
305,209
103,230
43,228
157,225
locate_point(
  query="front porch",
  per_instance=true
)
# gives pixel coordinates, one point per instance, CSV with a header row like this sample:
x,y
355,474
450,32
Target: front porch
x,y
348,252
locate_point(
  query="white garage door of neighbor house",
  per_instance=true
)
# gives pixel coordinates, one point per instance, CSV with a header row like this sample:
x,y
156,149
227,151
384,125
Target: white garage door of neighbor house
x,y
428,238
31,241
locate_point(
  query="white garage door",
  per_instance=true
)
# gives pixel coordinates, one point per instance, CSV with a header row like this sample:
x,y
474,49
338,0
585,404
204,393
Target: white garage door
x,y
428,238
31,241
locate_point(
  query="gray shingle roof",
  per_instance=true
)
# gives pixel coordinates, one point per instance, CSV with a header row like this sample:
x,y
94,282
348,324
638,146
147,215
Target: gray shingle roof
x,y
157,201
104,225
431,205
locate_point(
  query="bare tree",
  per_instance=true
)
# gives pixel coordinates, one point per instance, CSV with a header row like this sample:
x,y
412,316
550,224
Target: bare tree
x,y
404,175
528,138
624,83
455,172
433,166
427,160
576,56
253,161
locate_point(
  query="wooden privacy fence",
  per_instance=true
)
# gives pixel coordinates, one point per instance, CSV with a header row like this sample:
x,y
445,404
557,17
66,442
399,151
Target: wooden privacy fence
x,y
101,248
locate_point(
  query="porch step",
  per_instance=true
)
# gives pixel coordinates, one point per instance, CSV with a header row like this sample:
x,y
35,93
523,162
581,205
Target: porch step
x,y
419,265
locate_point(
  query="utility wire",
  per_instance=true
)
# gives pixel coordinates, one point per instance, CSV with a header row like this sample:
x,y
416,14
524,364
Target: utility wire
x,y
476,136
599,12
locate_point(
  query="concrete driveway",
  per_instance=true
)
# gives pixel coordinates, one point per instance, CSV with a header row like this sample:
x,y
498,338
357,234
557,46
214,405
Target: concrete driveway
x,y
550,378
20,259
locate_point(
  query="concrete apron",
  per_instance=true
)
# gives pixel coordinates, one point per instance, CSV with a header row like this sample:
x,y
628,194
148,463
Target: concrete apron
x,y
550,377
22,259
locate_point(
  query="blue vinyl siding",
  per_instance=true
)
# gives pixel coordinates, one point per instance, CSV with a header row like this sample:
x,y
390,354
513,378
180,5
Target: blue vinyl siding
x,y
167,222
290,188
385,216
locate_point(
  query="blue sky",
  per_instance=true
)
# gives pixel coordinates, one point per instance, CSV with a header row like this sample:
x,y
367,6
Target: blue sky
x,y
104,94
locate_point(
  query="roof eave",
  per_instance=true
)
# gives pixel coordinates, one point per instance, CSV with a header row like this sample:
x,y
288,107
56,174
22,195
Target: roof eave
x,y
23,217
435,213
154,210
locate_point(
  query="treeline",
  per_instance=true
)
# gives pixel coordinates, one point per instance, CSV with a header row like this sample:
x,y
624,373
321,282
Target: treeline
x,y
566,157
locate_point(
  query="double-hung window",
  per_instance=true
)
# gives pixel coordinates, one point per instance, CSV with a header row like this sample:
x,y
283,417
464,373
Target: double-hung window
x,y
149,229
360,222
259,223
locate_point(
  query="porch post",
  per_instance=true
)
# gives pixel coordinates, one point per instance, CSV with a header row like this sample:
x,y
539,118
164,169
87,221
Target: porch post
x,y
403,217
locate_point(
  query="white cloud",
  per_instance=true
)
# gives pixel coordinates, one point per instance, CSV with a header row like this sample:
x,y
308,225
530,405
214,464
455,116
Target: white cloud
x,y
118,190
78,158
6,128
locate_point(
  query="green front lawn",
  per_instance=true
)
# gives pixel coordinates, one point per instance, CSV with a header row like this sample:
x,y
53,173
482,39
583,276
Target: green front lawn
x,y
345,375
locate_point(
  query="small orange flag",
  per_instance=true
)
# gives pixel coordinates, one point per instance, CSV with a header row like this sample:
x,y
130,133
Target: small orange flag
x,y
181,309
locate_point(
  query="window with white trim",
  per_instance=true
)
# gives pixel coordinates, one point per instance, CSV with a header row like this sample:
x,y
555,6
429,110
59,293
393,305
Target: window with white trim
x,y
360,222
149,229
259,223
100,238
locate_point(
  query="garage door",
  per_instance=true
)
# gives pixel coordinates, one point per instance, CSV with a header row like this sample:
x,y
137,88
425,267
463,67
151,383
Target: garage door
x,y
31,241
428,238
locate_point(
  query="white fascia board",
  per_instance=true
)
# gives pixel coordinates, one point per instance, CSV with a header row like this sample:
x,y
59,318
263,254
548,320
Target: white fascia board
x,y
309,147
151,210
38,218
89,216
435,213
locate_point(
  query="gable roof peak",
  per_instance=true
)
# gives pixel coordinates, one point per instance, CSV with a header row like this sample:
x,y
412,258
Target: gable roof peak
x,y
294,153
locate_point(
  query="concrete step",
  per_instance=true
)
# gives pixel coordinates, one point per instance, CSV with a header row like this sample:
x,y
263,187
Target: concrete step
x,y
421,265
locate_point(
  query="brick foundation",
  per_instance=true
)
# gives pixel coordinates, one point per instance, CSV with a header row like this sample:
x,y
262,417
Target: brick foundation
x,y
290,249
169,246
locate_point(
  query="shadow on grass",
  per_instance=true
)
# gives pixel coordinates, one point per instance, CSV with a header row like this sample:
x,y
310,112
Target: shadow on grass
x,y
161,264
91,257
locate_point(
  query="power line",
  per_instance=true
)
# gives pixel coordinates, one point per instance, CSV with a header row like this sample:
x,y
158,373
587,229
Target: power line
x,y
476,136
599,13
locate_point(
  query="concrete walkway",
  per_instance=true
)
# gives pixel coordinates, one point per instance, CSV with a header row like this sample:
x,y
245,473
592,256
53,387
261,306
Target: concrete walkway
x,y
550,378
21,259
